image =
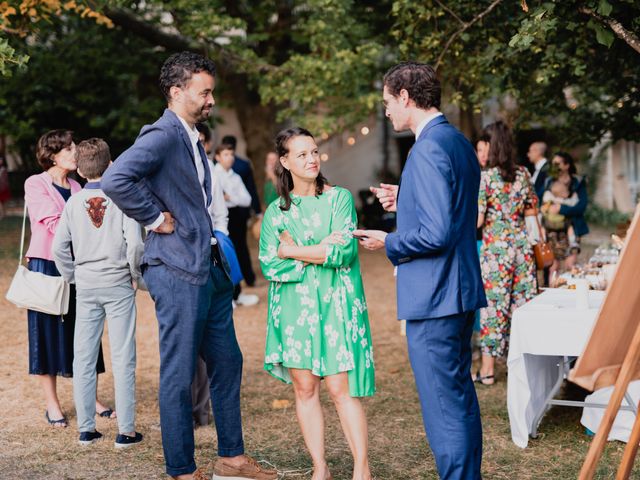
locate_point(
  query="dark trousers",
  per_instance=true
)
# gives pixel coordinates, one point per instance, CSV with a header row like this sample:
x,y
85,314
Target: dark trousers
x,y
192,320
238,218
440,354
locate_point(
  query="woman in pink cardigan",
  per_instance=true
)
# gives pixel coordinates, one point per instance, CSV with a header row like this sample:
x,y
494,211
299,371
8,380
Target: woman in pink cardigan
x,y
51,337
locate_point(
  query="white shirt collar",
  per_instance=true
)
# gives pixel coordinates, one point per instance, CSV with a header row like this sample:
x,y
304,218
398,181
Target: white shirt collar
x,y
193,133
540,164
424,123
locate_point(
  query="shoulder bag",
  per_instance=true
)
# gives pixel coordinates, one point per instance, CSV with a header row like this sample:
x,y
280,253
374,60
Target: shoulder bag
x,y
35,290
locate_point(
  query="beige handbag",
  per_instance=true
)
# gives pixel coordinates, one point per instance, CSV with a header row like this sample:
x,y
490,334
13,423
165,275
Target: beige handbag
x,y
35,290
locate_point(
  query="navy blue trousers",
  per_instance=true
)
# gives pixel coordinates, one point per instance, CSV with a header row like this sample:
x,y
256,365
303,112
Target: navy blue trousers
x,y
192,320
440,354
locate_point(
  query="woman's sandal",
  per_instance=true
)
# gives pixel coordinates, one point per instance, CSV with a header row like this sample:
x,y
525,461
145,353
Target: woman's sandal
x,y
106,413
486,380
60,423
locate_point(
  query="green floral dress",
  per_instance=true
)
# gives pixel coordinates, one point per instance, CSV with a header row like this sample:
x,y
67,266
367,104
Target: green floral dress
x,y
317,315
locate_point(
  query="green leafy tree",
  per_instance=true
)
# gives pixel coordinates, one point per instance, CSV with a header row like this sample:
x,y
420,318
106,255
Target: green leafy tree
x,y
19,18
85,77
569,65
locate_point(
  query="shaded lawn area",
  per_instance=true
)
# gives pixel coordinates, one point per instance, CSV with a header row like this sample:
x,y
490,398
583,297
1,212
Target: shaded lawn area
x,y
29,448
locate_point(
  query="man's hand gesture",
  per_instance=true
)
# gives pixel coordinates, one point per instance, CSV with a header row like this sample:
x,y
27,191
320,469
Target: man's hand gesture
x,y
387,195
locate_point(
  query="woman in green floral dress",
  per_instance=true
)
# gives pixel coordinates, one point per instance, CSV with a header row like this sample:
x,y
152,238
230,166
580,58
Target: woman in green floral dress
x,y
317,324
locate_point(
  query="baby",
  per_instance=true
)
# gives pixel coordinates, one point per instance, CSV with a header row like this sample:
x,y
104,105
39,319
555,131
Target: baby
x,y
558,193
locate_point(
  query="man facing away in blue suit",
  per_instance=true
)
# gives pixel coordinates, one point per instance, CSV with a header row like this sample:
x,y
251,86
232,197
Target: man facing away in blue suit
x,y
438,280
163,181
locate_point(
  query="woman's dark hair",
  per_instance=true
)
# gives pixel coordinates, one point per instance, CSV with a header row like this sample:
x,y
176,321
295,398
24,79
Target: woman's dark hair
x,y
178,69
502,152
285,180
484,137
50,144
568,159
418,79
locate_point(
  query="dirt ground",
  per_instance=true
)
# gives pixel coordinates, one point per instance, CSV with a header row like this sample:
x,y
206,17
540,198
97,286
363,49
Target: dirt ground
x,y
30,449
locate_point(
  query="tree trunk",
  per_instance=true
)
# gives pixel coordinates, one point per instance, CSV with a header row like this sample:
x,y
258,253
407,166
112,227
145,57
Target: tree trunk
x,y
468,123
258,123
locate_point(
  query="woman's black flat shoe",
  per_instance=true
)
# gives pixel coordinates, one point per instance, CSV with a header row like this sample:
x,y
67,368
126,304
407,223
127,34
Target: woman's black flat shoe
x,y
106,413
483,380
61,422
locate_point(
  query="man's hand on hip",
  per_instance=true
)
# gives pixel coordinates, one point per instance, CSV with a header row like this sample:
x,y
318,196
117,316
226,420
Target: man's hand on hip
x,y
387,195
167,226
370,239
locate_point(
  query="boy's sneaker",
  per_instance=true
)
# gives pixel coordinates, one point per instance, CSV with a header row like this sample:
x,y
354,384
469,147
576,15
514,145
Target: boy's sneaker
x,y
125,441
87,438
247,299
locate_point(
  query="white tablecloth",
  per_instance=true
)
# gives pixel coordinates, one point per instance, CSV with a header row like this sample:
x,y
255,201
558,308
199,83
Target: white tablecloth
x,y
542,332
622,425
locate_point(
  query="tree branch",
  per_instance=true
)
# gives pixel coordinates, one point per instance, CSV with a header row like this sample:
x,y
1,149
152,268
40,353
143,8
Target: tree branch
x,y
175,41
451,12
151,33
627,36
465,26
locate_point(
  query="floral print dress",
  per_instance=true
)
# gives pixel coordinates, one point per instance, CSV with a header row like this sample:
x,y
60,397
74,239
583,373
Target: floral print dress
x,y
317,314
506,256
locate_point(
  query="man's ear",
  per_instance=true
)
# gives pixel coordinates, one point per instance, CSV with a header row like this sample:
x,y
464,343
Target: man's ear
x,y
404,97
175,93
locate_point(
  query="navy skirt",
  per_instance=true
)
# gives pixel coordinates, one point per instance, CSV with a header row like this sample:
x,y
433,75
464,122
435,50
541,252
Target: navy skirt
x,y
51,338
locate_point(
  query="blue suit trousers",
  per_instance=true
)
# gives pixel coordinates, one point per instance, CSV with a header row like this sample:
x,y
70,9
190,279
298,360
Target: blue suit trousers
x,y
196,320
440,355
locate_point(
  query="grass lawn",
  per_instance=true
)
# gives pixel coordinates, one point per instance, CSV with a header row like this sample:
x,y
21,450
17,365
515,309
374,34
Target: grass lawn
x,y
30,449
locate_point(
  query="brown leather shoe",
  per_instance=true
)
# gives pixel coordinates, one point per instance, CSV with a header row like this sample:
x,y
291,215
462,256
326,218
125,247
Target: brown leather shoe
x,y
250,470
199,475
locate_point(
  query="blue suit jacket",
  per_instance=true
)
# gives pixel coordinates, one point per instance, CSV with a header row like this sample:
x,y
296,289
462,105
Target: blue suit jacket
x,y
434,245
157,173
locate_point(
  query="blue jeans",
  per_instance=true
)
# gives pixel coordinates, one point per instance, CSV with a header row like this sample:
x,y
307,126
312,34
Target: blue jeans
x,y
192,320
440,355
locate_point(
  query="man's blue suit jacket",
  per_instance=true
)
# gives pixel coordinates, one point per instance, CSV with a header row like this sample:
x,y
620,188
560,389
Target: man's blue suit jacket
x,y
434,245
158,174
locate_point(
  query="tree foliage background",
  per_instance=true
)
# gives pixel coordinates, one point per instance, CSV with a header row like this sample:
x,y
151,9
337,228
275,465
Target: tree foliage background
x,y
570,66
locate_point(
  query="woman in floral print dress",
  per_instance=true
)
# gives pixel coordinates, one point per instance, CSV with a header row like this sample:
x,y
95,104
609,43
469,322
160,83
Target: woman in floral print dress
x,y
506,256
317,324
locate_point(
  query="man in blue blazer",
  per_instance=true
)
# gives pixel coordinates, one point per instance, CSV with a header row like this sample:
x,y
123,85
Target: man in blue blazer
x,y
163,182
434,247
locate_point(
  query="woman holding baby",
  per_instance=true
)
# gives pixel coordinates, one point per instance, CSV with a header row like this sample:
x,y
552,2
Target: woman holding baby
x,y
563,205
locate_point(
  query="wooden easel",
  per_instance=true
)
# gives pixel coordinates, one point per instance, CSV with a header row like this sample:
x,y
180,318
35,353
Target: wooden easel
x,y
625,376
612,354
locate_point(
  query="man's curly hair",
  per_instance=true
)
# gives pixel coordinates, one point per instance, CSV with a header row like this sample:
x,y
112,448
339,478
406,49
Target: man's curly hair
x,y
178,69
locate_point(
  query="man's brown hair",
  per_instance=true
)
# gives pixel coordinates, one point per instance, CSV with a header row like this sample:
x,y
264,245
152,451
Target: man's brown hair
x,y
93,157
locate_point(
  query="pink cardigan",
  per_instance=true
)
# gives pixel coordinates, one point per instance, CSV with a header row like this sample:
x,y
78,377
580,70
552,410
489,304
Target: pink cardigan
x,y
45,205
